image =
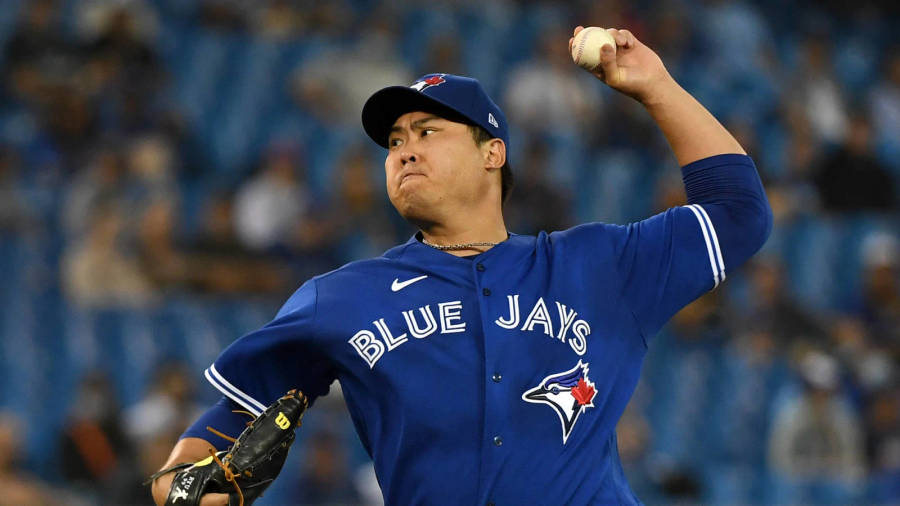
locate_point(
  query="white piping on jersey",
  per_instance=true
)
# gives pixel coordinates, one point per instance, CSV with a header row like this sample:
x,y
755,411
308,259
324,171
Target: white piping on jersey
x,y
715,258
715,240
252,405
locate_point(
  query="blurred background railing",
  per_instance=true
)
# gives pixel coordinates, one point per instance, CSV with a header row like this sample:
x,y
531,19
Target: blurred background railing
x,y
171,170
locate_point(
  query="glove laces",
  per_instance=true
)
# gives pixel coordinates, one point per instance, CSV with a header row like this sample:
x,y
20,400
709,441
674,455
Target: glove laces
x,y
229,475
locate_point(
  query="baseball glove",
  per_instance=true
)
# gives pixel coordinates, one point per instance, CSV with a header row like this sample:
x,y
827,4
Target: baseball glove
x,y
249,466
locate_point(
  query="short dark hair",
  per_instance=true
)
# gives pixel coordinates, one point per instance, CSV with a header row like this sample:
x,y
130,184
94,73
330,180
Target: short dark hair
x,y
480,135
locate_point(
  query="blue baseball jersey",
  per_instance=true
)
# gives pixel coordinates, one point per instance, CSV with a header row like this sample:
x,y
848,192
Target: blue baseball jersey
x,y
497,378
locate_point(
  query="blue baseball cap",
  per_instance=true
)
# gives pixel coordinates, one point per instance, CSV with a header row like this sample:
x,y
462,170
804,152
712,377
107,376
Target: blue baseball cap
x,y
456,98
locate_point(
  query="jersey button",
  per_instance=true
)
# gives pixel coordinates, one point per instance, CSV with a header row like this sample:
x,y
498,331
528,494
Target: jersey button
x,y
497,377
498,440
486,291
479,267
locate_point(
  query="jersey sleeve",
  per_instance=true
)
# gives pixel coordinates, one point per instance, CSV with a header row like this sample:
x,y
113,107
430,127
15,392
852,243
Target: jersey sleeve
x,y
224,418
263,365
666,261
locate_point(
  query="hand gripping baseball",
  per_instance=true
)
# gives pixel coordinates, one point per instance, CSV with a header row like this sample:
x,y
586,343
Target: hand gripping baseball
x,y
631,67
252,463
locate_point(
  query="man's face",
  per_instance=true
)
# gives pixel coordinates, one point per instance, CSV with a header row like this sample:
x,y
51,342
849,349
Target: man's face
x,y
433,167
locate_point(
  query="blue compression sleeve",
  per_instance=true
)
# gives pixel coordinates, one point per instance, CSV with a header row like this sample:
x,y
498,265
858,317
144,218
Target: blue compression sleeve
x,y
729,189
226,417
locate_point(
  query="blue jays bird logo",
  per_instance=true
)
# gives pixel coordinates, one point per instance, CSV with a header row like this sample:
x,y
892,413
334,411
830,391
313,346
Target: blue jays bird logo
x,y
569,393
428,82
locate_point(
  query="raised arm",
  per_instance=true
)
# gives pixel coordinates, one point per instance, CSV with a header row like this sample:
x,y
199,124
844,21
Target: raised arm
x,y
668,260
635,70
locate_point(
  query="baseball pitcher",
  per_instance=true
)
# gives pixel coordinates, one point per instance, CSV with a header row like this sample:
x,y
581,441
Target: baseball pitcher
x,y
480,366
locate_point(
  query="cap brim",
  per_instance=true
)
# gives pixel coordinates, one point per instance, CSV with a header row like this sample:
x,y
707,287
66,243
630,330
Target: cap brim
x,y
384,107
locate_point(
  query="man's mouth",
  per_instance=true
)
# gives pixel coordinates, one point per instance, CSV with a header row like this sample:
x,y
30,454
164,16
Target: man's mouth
x,y
405,177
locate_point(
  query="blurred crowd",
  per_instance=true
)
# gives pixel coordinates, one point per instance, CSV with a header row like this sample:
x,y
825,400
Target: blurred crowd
x,y
202,158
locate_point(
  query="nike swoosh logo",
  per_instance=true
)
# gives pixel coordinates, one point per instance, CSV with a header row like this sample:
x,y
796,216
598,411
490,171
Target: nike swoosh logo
x,y
397,285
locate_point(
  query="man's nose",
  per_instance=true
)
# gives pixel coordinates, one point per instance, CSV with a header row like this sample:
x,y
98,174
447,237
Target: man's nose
x,y
406,157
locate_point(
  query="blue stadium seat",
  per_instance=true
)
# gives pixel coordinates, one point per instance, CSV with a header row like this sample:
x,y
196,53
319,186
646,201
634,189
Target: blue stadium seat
x,y
810,255
198,74
244,97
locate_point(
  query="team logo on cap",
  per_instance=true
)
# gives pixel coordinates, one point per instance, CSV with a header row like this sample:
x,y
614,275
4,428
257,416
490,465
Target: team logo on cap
x,y
569,393
428,82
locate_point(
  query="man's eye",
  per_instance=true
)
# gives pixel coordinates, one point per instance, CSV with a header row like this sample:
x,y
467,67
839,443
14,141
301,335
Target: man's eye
x,y
394,142
428,131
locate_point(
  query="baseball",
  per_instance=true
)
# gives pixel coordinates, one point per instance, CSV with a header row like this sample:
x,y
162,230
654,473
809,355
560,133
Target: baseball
x,y
587,44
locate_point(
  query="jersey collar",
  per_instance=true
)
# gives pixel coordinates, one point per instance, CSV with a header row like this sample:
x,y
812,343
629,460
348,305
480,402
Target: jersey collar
x,y
512,249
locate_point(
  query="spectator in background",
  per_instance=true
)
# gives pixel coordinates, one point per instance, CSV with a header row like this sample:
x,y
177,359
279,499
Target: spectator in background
x,y
794,192
71,123
880,304
270,203
220,264
223,15
867,364
99,271
150,159
331,20
882,419
545,95
102,179
161,258
851,178
17,486
279,20
771,306
359,210
540,203
95,454
156,422
15,214
123,70
816,88
324,477
169,407
37,55
816,444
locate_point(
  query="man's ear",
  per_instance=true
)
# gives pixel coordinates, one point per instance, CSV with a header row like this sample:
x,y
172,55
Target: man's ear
x,y
494,152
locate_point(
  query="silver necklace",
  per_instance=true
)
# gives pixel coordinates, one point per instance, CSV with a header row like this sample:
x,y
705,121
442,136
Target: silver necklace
x,y
457,247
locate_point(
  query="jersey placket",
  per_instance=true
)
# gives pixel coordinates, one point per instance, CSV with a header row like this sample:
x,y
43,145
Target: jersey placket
x,y
494,447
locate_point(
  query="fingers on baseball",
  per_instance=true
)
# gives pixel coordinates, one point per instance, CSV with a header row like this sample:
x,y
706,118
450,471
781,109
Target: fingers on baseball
x,y
623,38
572,38
608,66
